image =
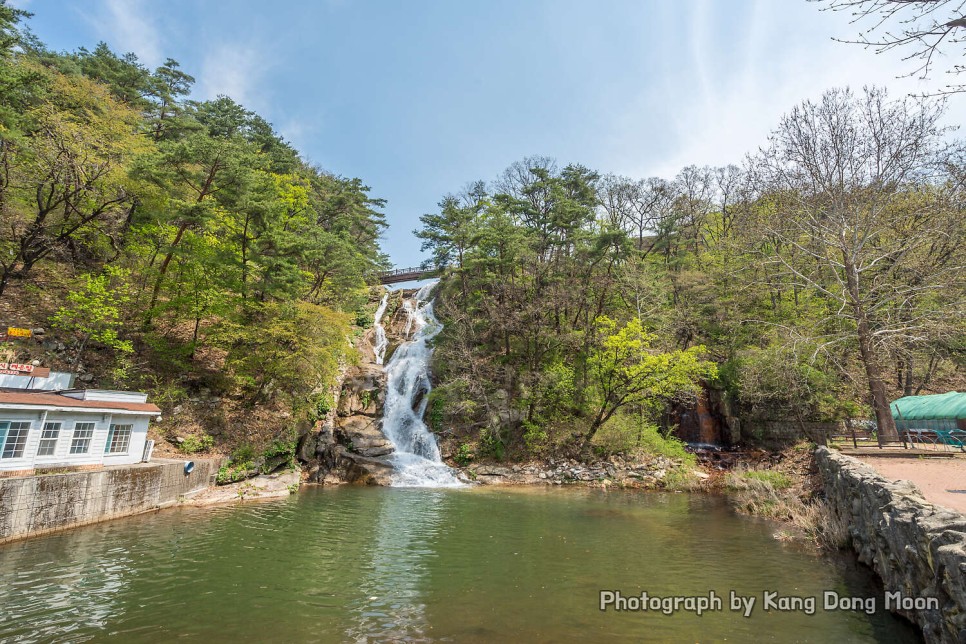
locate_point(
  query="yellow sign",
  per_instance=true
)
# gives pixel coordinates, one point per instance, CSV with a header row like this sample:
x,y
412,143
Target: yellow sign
x,y
14,332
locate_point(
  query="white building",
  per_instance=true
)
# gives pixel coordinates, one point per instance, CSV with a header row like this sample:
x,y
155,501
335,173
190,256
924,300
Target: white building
x,y
91,427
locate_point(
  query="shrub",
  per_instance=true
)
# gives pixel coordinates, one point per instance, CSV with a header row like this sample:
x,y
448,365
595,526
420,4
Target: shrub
x,y
535,436
280,447
243,453
322,406
234,472
627,433
464,454
194,444
491,444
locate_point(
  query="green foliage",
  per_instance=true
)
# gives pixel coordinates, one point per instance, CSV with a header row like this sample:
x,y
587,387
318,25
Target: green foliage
x,y
491,445
777,480
464,455
534,436
244,452
199,235
626,372
435,413
235,471
194,444
323,405
94,312
627,434
280,447
364,319
777,379
284,351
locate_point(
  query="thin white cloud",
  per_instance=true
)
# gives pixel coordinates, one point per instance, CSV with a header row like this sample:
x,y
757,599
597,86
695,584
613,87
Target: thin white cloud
x,y
127,26
236,71
716,117
298,131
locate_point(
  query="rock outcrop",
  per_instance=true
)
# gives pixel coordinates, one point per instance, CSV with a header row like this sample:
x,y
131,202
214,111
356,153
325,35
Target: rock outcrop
x,y
917,548
349,445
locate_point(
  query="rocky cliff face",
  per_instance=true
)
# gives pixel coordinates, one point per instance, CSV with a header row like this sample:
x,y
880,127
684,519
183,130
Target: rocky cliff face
x,y
918,549
349,445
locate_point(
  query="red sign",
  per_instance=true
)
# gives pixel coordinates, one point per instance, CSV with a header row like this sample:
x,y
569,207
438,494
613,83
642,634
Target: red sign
x,y
16,369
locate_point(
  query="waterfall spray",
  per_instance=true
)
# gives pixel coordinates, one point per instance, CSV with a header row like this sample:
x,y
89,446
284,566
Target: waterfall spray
x,y
381,342
417,460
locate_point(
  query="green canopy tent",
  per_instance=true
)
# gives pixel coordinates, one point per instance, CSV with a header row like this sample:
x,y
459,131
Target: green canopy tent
x,y
939,411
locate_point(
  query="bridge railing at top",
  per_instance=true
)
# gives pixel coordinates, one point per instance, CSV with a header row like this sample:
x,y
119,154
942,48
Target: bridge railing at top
x,y
406,271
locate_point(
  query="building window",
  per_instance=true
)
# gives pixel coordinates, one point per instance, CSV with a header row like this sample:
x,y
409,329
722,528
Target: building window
x,y
48,439
13,438
118,439
81,441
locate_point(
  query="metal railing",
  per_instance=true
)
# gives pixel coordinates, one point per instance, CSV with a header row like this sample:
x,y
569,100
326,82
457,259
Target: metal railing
x,y
406,274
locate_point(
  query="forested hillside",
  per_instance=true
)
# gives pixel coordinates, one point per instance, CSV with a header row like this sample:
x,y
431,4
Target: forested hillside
x,y
818,280
175,246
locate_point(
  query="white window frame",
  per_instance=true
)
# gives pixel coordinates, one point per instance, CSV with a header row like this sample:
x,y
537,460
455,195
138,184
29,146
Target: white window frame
x,y
49,436
119,439
85,440
6,426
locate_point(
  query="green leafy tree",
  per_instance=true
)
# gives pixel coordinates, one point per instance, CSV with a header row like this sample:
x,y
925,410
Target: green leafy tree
x,y
627,371
67,183
93,313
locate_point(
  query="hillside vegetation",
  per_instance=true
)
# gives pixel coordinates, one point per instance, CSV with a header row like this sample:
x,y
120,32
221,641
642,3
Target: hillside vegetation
x,y
179,247
817,281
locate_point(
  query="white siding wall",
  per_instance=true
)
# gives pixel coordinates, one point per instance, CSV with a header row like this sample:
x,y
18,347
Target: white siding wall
x,y
62,456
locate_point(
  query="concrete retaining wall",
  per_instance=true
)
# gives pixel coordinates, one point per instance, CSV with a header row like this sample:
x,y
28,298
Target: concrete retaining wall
x,y
917,548
34,505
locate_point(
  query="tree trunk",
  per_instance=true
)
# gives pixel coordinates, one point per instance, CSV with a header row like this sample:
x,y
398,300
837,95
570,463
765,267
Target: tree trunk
x,y
880,398
873,371
907,387
163,270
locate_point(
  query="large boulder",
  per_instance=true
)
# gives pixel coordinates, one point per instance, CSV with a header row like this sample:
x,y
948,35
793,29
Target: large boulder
x,y
363,435
339,465
363,392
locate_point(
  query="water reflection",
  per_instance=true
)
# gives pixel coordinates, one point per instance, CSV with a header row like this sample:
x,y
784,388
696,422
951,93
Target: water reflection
x,y
420,565
392,606
75,586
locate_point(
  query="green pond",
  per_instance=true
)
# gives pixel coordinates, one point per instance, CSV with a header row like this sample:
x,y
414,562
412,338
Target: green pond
x,y
463,565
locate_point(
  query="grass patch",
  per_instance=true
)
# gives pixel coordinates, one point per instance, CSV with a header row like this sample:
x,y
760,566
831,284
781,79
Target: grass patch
x,y
770,494
776,480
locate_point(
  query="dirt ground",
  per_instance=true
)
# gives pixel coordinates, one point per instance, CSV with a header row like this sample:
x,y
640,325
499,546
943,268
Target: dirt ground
x,y
942,480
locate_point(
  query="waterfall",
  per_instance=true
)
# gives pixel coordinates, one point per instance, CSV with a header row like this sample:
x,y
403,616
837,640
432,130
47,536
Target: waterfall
x,y
381,342
417,460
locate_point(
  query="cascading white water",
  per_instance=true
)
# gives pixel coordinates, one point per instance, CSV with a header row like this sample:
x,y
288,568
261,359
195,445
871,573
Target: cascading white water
x,y
417,461
381,341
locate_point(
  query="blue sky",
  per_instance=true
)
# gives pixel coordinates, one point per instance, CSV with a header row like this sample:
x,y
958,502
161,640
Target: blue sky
x,y
420,97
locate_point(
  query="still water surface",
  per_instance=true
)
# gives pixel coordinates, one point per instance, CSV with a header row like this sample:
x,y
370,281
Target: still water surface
x,y
350,564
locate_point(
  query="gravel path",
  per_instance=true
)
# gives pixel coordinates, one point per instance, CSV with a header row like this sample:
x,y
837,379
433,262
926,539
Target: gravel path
x,y
942,480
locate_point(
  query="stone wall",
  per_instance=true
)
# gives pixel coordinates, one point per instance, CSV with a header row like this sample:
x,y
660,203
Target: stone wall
x,y
778,434
34,505
917,548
